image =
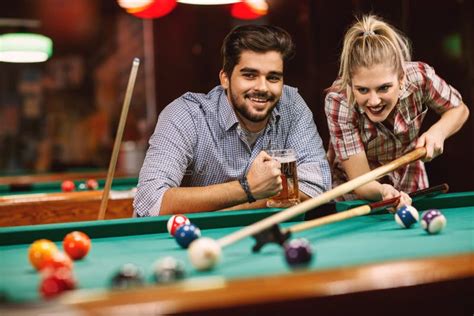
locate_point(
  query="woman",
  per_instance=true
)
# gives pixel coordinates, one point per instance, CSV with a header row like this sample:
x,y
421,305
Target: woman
x,y
375,110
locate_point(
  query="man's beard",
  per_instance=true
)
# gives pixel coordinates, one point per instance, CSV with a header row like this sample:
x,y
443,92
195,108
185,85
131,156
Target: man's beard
x,y
244,111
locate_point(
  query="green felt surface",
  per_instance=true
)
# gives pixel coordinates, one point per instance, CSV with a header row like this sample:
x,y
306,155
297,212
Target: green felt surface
x,y
55,186
357,241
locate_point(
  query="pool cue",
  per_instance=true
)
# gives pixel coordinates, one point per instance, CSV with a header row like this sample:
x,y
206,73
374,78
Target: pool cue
x,y
118,138
323,198
279,236
362,210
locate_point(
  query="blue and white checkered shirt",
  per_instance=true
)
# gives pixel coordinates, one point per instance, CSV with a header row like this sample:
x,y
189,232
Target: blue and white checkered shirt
x,y
198,142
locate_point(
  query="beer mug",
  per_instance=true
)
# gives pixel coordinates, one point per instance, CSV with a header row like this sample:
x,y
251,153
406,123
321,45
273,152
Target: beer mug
x,y
289,195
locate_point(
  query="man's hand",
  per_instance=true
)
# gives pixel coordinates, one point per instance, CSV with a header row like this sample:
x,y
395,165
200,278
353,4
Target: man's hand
x,y
389,192
264,176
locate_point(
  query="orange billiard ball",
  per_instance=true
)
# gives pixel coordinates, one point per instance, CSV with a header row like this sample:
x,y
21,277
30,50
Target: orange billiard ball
x,y
76,245
40,252
68,186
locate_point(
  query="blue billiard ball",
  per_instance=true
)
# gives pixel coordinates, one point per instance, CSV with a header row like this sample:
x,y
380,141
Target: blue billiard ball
x,y
186,234
433,221
298,253
406,216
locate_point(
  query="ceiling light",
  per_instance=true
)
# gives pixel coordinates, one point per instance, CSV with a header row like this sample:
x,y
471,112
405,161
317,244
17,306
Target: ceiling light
x,y
25,48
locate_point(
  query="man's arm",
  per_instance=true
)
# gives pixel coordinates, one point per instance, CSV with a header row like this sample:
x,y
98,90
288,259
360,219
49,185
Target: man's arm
x,y
263,178
314,175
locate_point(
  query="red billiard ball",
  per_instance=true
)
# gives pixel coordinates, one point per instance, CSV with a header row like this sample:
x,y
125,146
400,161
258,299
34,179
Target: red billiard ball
x,y
55,282
175,221
92,184
76,245
68,186
57,260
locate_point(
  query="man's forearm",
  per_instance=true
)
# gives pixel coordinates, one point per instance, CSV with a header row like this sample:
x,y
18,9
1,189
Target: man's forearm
x,y
202,199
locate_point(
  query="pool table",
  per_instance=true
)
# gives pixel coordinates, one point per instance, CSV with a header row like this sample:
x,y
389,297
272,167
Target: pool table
x,y
366,265
46,204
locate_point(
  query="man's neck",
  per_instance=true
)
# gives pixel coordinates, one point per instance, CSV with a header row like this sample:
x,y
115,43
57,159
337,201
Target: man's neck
x,y
253,127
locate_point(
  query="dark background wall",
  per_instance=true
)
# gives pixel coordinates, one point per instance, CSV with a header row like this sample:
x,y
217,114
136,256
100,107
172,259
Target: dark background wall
x,y
98,39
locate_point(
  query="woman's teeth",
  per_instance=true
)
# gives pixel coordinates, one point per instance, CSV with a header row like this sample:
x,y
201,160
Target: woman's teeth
x,y
376,109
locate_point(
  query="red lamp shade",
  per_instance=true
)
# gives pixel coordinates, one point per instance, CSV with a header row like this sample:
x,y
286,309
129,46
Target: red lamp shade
x,y
156,9
247,10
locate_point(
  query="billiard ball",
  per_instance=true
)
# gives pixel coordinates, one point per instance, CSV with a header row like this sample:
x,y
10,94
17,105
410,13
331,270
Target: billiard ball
x,y
186,234
168,270
433,221
58,260
68,186
56,281
40,252
82,186
298,253
76,244
128,276
204,253
406,216
92,184
175,221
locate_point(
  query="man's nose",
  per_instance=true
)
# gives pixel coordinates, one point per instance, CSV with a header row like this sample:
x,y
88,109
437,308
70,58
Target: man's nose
x,y
261,84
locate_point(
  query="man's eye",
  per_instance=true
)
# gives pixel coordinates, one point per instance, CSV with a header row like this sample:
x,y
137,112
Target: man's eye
x,y
274,78
249,76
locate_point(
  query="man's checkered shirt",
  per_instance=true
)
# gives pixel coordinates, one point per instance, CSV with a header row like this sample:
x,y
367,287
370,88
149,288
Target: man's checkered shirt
x,y
197,142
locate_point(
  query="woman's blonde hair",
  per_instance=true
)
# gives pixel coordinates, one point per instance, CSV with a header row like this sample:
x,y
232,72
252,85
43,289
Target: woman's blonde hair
x,y
371,41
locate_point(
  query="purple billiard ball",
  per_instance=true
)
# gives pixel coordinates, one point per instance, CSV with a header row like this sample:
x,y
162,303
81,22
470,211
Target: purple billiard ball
x,y
433,221
298,253
186,234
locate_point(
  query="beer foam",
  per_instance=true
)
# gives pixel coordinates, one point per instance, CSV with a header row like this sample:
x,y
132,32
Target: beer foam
x,y
285,159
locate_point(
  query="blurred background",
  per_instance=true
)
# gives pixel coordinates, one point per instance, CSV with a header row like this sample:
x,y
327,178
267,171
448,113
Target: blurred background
x,y
61,114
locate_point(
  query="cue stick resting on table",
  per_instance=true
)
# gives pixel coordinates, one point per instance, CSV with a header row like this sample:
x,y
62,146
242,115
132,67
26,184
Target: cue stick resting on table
x,y
118,138
204,252
276,235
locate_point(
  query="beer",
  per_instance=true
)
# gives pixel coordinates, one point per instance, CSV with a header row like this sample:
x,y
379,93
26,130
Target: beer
x,y
289,195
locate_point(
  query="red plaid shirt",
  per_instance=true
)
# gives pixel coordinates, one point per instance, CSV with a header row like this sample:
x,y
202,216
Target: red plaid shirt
x,y
352,132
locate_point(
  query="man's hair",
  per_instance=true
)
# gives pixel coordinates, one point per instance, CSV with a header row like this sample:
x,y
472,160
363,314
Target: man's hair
x,y
255,38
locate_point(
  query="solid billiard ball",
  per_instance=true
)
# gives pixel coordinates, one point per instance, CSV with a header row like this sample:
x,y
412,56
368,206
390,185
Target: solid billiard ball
x,y
298,253
204,253
433,221
186,234
128,276
40,252
76,244
92,184
68,186
58,260
57,281
168,270
406,216
175,221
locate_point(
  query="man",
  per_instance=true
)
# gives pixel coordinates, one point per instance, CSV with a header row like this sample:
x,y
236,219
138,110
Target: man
x,y
208,151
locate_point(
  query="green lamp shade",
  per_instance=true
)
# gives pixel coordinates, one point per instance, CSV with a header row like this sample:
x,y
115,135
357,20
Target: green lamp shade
x,y
25,48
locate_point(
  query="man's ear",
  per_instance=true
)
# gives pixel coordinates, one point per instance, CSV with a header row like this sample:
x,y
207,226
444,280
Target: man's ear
x,y
224,79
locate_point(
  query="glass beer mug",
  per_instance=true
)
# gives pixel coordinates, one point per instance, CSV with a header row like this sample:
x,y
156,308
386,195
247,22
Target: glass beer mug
x,y
289,195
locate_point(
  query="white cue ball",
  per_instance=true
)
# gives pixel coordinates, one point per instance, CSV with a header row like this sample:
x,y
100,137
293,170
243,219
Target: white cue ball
x,y
204,253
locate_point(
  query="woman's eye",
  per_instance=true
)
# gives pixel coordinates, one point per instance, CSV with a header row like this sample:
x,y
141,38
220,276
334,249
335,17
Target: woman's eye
x,y
362,90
